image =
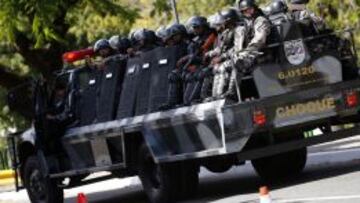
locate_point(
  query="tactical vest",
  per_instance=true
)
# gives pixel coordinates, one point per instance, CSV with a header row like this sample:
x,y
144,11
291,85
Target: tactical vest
x,y
226,40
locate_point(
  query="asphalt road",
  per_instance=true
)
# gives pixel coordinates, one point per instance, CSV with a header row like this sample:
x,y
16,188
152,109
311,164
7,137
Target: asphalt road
x,y
332,174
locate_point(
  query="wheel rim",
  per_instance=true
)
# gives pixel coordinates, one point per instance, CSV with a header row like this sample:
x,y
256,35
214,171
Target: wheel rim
x,y
37,185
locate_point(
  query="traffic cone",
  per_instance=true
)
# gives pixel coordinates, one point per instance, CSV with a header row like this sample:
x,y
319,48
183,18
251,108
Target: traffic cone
x,y
81,198
264,195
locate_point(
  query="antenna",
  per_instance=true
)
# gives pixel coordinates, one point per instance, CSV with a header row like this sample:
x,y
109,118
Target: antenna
x,y
173,4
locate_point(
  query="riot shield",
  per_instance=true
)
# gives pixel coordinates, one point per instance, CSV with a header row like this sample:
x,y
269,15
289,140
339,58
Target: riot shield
x,y
88,81
110,90
127,102
166,59
148,61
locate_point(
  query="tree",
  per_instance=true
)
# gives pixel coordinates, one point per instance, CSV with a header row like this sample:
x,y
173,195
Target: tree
x,y
35,33
39,30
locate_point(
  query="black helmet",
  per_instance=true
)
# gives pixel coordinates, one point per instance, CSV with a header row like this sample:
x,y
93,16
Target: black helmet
x,y
101,44
147,36
137,36
229,15
150,36
176,29
278,7
299,1
197,21
119,43
245,4
161,32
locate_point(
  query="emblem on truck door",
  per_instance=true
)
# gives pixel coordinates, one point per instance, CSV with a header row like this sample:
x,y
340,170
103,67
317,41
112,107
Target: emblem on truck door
x,y
316,106
295,51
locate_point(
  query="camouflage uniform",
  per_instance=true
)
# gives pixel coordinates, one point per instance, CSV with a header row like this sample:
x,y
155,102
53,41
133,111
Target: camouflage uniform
x,y
301,13
249,38
224,49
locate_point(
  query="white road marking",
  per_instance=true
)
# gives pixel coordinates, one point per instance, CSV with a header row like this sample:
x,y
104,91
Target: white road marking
x,y
356,150
320,199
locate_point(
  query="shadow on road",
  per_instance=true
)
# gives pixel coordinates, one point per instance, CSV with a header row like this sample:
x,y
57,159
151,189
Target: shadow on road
x,y
218,187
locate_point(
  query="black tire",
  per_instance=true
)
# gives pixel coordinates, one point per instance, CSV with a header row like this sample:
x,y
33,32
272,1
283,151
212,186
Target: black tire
x,y
189,181
280,166
39,188
160,182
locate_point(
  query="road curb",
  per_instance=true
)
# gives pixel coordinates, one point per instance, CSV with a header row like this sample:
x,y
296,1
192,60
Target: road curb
x,y
5,174
7,181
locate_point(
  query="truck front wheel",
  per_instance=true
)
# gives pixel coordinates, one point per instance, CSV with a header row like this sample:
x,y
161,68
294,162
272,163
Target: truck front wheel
x,y
159,181
39,187
281,165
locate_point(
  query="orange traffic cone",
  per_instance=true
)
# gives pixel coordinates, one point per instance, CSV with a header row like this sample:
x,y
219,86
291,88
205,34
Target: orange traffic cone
x,y
264,195
81,198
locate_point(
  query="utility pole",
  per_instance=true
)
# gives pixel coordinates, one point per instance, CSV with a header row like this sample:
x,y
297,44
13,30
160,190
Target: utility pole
x,y
173,4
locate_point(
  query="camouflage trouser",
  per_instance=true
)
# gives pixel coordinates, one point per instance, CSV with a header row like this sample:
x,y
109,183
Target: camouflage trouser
x,y
221,75
228,73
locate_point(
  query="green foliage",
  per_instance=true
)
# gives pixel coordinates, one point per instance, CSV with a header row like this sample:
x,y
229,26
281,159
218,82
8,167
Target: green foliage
x,y
162,14
9,120
89,27
40,17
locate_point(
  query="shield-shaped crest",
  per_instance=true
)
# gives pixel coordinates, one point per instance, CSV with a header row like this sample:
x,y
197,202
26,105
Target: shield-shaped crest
x,y
295,51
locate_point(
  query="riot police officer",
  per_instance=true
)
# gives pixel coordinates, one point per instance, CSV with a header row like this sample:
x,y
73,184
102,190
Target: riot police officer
x,y
192,64
249,38
298,10
278,12
142,40
120,44
278,6
102,48
182,79
228,21
162,34
176,35
59,112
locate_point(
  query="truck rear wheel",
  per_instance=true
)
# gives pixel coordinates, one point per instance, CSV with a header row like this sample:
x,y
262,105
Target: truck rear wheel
x,y
160,182
39,187
281,165
188,177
